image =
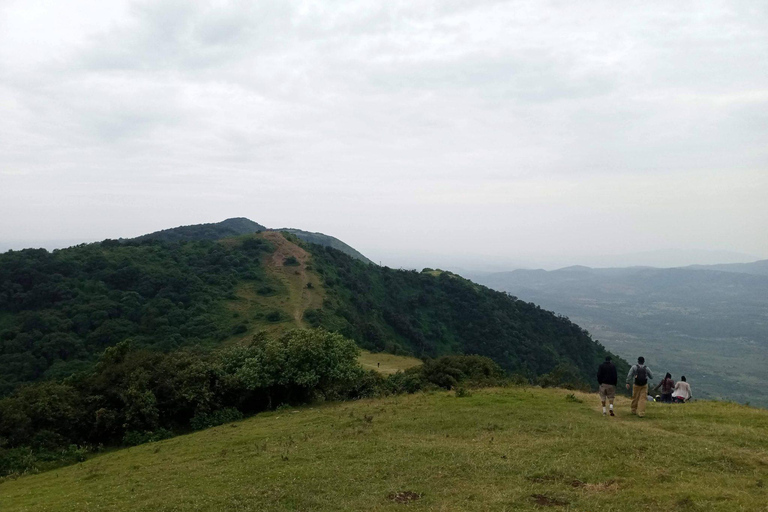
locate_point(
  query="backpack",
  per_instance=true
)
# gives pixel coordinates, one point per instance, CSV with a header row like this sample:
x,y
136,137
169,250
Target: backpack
x,y
641,377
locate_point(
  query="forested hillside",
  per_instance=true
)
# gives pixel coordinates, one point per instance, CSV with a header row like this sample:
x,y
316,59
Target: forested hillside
x,y
59,310
431,313
213,231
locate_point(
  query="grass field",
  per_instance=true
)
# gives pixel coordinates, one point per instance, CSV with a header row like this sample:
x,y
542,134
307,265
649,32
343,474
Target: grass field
x,y
386,364
498,449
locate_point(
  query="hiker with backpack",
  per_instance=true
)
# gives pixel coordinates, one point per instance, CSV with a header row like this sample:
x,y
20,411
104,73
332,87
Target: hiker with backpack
x,y
607,379
667,385
640,373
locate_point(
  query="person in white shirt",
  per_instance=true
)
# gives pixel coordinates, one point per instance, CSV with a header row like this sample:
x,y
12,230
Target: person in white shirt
x,y
682,392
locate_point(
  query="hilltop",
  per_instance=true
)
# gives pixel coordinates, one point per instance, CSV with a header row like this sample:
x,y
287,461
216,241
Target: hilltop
x,y
241,226
498,449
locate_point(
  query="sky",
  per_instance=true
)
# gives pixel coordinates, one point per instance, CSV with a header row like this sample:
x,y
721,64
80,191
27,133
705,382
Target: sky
x,y
478,134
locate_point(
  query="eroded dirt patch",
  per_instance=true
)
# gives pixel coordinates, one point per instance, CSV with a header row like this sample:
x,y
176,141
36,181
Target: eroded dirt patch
x,y
403,496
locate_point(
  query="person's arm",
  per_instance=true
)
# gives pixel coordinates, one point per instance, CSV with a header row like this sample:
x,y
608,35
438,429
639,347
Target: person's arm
x,y
631,374
650,375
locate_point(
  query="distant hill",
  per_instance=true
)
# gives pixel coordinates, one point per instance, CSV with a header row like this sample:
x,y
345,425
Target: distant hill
x,y
710,325
759,268
327,241
242,226
214,231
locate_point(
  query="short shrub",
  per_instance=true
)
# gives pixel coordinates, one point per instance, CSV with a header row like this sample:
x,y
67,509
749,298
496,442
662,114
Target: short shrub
x,y
462,392
274,316
291,261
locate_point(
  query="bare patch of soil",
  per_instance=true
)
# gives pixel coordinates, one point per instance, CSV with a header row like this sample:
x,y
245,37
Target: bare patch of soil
x,y
404,497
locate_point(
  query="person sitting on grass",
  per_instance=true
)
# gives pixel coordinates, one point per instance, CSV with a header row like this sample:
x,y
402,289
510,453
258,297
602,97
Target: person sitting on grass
x,y
682,392
607,379
667,385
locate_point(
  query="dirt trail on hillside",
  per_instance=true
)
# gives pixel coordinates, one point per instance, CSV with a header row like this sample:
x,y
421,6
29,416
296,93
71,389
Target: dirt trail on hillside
x,y
296,277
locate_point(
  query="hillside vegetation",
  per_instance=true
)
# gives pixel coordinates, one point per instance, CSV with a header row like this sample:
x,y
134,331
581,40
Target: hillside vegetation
x,y
498,449
60,310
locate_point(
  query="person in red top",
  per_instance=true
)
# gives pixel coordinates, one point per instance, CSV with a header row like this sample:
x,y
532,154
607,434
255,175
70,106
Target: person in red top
x,y
667,385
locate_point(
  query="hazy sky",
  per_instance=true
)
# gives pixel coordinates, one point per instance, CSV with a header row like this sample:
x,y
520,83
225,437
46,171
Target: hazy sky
x,y
446,132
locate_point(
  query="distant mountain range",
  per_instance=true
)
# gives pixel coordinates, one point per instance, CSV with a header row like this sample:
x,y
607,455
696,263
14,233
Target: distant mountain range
x,y
707,321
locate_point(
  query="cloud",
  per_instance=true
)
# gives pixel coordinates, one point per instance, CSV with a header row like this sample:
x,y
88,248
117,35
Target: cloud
x,y
304,113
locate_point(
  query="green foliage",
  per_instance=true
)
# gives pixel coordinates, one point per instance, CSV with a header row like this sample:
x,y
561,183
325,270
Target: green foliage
x,y
134,395
213,231
60,310
429,314
563,375
462,392
291,261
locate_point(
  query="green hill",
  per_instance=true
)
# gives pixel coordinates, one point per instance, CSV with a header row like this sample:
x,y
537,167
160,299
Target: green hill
x,y
60,310
498,449
242,226
214,231
327,241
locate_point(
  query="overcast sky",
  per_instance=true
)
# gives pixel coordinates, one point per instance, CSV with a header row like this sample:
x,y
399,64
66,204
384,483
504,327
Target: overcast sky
x,y
465,133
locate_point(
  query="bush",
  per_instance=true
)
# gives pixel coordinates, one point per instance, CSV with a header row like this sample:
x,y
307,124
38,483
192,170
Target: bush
x,y
462,392
564,375
448,371
291,261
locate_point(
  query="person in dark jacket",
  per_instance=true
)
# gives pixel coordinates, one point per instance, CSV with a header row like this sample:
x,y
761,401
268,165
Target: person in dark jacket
x,y
607,379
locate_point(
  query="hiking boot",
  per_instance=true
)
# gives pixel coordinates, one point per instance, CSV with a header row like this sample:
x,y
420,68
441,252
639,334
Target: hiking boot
x,y
612,414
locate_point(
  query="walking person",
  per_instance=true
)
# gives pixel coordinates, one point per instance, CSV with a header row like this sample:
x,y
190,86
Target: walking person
x,y
640,373
682,392
607,380
667,385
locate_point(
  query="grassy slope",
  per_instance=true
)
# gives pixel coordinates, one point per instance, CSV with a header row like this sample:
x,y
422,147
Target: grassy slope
x,y
291,297
503,449
386,364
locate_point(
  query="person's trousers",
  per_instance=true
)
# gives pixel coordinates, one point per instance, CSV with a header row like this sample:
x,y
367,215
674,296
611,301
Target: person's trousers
x,y
639,398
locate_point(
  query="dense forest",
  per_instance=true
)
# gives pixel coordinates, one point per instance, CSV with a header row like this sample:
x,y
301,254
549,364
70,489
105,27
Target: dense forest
x,y
432,313
59,310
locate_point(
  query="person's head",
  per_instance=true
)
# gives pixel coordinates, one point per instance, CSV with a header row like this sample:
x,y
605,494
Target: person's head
x,y
683,378
607,359
668,376
641,360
